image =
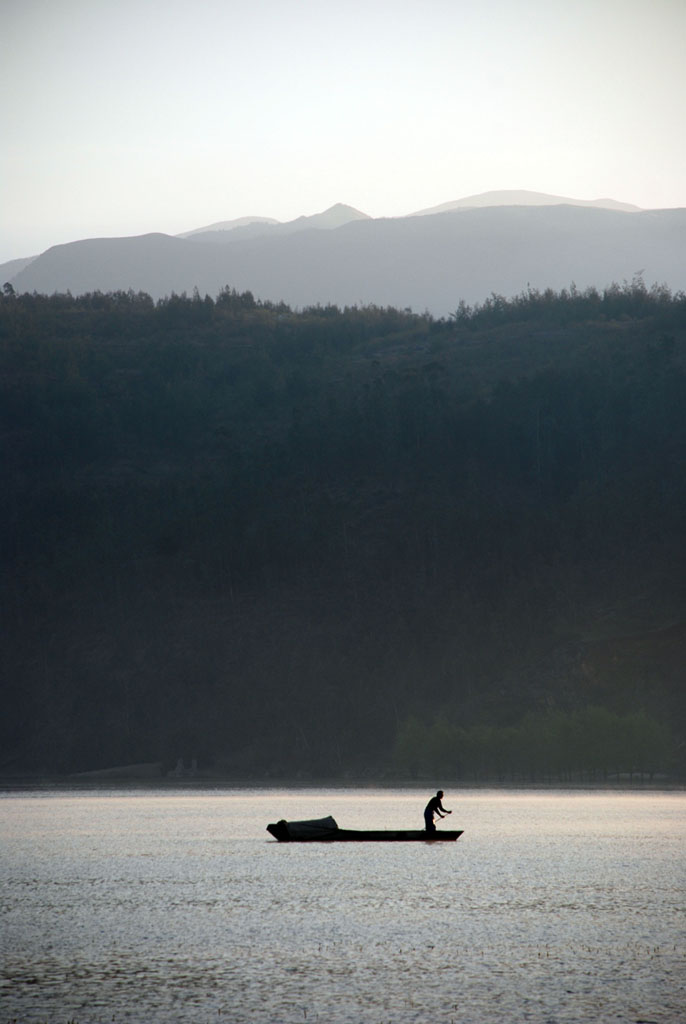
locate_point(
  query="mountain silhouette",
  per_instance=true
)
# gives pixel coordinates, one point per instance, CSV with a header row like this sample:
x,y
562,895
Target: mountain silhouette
x,y
522,197
426,262
335,217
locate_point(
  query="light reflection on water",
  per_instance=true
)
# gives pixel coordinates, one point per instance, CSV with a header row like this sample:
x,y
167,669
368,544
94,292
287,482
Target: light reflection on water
x,y
160,907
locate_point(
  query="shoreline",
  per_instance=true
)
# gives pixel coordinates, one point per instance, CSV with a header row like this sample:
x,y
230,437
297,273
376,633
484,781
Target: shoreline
x,y
11,784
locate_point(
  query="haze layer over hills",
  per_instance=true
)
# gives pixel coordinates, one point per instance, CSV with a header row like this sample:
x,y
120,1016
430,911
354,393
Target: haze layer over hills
x,y
502,243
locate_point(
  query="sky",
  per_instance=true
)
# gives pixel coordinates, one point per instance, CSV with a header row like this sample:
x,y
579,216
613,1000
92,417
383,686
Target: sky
x,y
121,117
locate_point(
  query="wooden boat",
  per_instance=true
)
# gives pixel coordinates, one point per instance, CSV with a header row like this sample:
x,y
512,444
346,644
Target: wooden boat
x,y
325,830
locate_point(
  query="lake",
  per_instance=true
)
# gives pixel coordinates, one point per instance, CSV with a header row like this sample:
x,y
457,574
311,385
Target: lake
x,y
164,906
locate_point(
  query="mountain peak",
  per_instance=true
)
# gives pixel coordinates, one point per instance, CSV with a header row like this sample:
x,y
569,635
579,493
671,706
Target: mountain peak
x,y
342,210
335,217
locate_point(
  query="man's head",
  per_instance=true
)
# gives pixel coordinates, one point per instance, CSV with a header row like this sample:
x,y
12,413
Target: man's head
x,y
439,794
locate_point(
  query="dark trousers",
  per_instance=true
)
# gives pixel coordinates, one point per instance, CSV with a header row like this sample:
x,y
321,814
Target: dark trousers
x,y
429,823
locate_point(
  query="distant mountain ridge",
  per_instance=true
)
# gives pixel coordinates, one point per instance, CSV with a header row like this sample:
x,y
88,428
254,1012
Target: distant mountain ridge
x,y
335,216
255,227
228,225
430,261
522,197
14,267
339,214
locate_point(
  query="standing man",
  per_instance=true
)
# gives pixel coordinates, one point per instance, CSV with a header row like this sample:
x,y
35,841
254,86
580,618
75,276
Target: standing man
x,y
434,806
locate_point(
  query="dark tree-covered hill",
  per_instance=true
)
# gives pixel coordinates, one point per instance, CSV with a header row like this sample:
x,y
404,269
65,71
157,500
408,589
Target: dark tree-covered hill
x,y
344,541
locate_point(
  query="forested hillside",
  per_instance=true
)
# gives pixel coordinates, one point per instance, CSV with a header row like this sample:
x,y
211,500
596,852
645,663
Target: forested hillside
x,y
344,541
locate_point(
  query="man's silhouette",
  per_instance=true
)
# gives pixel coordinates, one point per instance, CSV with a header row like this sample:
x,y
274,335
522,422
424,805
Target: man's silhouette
x,y
434,806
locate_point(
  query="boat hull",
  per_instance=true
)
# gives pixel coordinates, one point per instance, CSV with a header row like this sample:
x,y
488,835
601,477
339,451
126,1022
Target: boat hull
x,y
280,831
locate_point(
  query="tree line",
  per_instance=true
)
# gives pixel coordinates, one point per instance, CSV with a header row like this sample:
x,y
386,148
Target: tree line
x,y
590,744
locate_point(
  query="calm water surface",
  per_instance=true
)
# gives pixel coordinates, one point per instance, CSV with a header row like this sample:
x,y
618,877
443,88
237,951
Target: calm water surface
x,y
176,906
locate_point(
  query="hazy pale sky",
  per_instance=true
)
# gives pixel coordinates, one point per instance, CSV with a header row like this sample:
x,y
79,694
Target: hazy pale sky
x,y
121,117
